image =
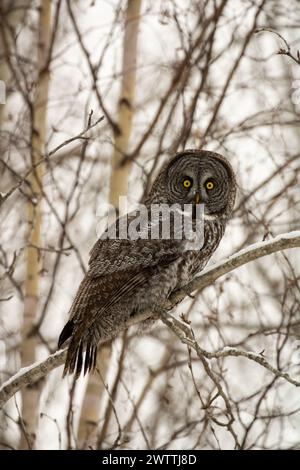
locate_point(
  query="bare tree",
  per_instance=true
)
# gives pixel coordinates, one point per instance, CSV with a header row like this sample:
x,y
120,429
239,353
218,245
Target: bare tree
x,y
91,407
38,111
89,117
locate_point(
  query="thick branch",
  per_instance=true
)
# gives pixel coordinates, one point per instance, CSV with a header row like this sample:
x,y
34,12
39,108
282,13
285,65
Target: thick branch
x,y
252,252
31,374
285,241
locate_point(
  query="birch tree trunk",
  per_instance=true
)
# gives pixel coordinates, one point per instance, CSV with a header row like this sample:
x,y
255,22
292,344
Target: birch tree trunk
x,y
30,397
91,408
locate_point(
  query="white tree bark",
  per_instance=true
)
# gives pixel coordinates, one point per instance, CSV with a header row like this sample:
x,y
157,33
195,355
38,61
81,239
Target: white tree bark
x,y
30,396
91,407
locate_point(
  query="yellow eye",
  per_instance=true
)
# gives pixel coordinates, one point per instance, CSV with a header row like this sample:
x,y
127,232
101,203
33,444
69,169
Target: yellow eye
x,y
209,185
187,183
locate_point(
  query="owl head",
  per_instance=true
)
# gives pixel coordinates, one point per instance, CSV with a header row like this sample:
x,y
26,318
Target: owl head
x,y
195,177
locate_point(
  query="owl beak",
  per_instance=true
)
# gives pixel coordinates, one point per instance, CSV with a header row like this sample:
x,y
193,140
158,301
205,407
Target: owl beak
x,y
197,198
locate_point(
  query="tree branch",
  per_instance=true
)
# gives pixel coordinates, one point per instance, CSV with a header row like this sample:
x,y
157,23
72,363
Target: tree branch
x,y
186,335
33,167
31,374
281,51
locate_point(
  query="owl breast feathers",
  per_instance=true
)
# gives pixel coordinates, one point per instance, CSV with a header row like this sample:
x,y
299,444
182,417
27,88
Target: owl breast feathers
x,y
126,276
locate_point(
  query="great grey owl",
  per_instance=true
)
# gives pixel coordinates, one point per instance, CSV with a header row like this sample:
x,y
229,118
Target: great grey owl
x,y
126,275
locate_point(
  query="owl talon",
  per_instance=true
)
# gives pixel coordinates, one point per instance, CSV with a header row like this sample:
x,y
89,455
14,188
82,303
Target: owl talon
x,y
191,296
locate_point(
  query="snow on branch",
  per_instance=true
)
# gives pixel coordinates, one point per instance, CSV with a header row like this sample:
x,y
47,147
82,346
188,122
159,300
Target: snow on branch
x,y
28,375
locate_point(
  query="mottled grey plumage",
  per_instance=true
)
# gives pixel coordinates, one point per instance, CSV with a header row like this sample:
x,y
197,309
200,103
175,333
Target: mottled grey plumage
x,y
126,276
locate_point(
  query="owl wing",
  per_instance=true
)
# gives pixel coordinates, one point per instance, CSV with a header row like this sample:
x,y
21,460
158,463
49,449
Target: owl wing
x,y
113,255
116,269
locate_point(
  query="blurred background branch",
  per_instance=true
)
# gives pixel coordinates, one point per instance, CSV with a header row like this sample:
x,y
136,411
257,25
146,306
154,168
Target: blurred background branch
x,y
166,76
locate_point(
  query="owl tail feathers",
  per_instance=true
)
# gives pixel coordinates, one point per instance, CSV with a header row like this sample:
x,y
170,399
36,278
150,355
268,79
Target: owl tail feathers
x,y
66,333
80,357
79,348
